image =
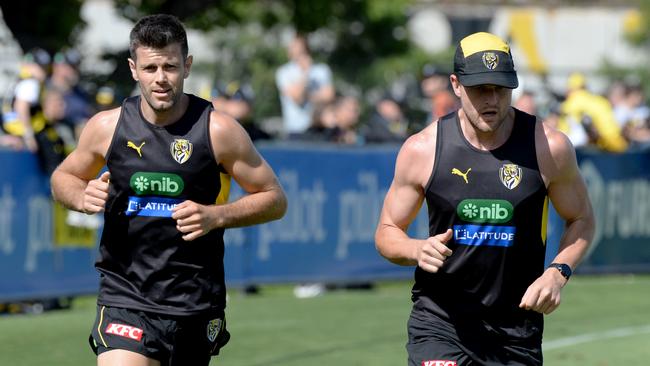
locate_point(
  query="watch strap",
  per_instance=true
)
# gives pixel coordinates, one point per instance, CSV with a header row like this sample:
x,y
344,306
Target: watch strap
x,y
565,269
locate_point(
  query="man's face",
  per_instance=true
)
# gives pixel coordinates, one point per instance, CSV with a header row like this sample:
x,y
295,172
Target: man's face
x,y
486,106
160,72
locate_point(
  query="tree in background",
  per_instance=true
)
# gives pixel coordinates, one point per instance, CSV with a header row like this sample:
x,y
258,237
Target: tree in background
x,y
365,42
47,24
637,33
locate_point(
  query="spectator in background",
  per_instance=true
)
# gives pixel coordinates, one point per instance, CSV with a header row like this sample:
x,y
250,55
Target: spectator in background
x,y
235,101
323,125
65,79
569,126
616,93
526,102
26,98
346,111
105,98
386,124
595,113
51,147
632,115
302,84
437,89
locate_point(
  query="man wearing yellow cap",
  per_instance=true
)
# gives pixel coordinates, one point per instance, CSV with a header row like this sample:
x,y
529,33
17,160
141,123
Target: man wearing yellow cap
x,y
486,173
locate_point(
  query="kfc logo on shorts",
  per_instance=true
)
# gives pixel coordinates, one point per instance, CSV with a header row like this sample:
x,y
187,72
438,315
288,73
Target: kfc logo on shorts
x,y
439,363
125,331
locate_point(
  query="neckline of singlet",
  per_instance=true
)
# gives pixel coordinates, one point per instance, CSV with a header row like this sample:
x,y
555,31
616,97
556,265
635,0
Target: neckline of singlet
x,y
513,133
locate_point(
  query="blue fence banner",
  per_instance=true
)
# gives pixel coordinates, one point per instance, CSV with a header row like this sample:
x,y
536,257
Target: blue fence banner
x,y
335,196
31,264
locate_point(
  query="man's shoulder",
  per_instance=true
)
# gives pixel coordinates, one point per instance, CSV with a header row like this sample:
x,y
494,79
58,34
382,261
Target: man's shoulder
x,y
104,120
421,144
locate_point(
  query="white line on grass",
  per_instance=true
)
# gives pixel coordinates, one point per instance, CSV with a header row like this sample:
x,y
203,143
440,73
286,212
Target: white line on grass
x,y
595,336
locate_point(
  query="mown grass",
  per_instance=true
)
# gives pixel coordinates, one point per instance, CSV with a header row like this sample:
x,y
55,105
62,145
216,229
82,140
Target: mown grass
x,y
347,328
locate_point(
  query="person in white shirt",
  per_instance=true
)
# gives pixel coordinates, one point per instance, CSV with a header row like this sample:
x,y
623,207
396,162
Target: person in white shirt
x,y
302,85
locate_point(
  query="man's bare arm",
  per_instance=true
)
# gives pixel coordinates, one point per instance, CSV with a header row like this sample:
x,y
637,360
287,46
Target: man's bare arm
x,y
265,199
568,193
74,182
402,204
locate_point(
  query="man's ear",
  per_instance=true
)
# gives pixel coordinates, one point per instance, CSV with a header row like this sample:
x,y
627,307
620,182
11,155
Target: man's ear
x,y
188,66
455,84
132,68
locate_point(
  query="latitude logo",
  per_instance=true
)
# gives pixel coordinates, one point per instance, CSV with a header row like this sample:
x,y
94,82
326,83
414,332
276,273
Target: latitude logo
x,y
164,184
485,211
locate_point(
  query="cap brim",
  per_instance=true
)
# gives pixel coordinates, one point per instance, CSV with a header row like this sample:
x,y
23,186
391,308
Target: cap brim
x,y
505,79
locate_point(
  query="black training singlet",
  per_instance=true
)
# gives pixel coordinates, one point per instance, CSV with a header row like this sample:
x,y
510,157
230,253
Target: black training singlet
x,y
144,263
495,203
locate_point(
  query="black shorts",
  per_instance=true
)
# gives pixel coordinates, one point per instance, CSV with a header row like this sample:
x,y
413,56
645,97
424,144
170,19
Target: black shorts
x,y
433,341
172,340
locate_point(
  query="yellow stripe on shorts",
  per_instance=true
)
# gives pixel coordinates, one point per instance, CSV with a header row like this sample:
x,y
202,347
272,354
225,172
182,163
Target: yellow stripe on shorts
x,y
99,326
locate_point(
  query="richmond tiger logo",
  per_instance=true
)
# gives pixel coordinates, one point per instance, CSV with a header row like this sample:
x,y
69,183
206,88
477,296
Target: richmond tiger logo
x,y
510,175
181,150
490,60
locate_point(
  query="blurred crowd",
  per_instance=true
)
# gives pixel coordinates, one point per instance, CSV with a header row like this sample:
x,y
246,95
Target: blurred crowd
x,y
46,108
617,121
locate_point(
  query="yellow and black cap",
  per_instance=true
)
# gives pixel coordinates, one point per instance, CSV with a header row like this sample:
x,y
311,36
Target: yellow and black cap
x,y
483,58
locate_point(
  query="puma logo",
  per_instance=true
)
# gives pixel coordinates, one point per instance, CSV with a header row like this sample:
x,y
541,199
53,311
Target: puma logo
x,y
457,172
135,147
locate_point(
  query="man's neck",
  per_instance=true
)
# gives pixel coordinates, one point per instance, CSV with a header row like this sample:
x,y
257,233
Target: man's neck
x,y
487,140
164,118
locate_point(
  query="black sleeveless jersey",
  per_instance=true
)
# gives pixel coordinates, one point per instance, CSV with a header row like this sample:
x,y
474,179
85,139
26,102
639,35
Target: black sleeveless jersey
x,y
144,263
496,203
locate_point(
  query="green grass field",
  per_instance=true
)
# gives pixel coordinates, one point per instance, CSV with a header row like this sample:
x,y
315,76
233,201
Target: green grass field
x,y
602,321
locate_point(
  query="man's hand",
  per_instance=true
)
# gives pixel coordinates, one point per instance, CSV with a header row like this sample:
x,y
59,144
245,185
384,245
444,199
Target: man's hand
x,y
431,253
193,220
96,194
543,296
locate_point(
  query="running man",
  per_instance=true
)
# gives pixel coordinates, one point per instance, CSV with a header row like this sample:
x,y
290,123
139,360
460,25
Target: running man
x,y
162,292
486,173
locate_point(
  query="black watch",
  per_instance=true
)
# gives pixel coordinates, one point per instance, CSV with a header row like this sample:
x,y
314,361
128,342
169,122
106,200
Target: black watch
x,y
564,269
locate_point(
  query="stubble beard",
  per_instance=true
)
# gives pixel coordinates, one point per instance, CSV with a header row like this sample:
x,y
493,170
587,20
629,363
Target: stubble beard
x,y
162,107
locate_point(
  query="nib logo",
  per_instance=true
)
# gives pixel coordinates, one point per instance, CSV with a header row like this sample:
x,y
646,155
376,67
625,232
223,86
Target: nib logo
x,y
159,184
141,183
439,363
484,211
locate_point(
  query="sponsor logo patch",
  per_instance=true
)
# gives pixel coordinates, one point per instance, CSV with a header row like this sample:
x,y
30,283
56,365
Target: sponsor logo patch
x,y
162,184
439,363
495,236
137,148
126,331
456,171
214,326
181,150
484,211
510,175
151,206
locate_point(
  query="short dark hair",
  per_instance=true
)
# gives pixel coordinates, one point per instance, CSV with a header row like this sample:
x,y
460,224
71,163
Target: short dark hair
x,y
158,31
